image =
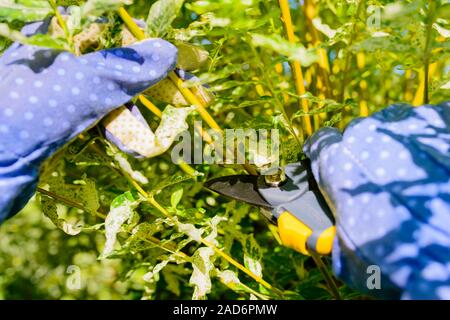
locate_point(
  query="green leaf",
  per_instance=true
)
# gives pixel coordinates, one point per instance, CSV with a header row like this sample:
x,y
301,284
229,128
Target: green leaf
x,y
190,57
139,238
122,200
47,41
42,40
176,197
50,209
14,35
170,181
122,161
444,11
200,278
78,152
4,44
446,86
297,52
324,28
385,42
172,278
213,224
83,192
173,122
442,31
191,231
401,9
252,255
24,11
98,7
73,21
229,16
161,15
122,208
152,275
323,105
231,280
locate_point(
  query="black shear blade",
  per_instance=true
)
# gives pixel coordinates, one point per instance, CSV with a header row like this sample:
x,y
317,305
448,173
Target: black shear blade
x,y
239,187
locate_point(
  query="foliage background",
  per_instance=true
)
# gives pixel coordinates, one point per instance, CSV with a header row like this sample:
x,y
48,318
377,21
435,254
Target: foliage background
x,y
358,56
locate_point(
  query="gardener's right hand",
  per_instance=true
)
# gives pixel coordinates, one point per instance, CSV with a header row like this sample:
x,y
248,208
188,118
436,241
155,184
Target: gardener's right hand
x,y
387,179
48,97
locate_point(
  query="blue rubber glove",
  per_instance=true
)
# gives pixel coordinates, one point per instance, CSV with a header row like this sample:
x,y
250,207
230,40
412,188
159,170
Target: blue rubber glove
x,y
48,97
387,179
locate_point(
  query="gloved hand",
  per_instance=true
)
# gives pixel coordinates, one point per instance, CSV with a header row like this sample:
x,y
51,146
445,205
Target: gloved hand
x,y
387,179
48,97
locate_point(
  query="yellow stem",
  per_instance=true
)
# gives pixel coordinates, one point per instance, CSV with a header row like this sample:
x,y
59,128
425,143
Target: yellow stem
x,y
295,65
363,107
131,25
149,105
187,168
419,97
192,99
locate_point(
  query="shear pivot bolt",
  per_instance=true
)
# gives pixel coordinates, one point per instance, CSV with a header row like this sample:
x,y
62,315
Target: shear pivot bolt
x,y
276,178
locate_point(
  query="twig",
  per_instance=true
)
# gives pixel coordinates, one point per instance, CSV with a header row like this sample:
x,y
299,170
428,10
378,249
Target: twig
x,y
67,201
295,65
331,284
147,103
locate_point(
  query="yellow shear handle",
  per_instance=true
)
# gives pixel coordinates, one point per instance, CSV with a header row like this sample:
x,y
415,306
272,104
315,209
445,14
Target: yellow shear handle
x,y
294,234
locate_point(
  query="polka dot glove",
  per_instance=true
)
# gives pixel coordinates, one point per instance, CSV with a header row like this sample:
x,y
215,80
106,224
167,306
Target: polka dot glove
x,y
48,97
387,179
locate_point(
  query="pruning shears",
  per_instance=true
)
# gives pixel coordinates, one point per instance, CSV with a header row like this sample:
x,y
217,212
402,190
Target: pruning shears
x,y
289,198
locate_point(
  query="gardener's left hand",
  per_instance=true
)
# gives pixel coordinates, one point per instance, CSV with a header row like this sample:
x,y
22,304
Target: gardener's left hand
x,y
48,97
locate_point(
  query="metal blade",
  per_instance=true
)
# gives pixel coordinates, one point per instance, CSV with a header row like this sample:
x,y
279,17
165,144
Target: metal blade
x,y
239,187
